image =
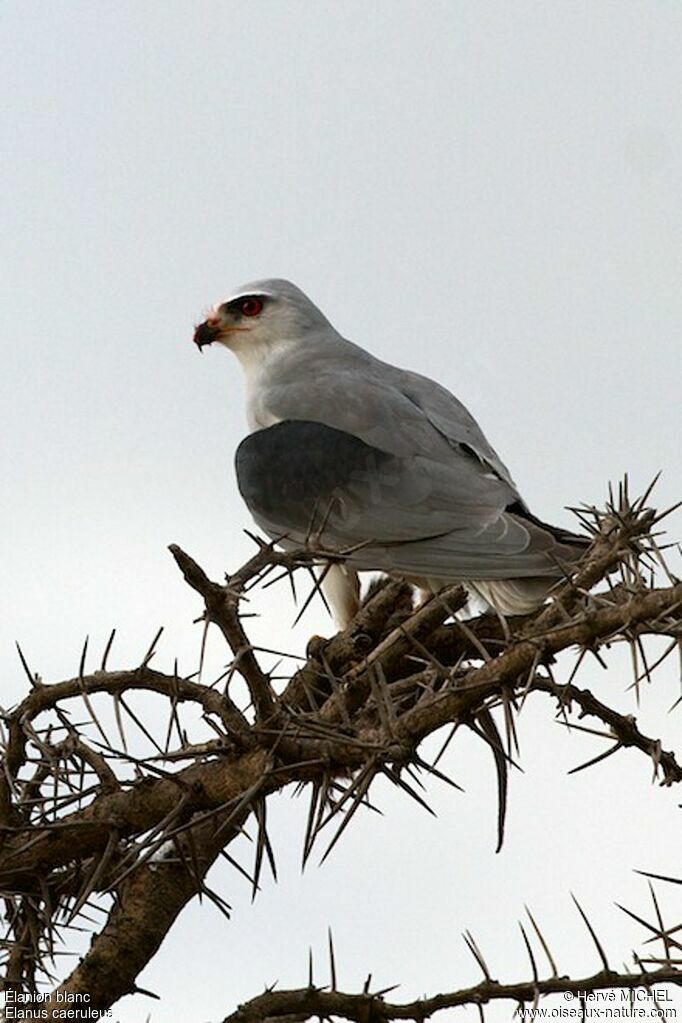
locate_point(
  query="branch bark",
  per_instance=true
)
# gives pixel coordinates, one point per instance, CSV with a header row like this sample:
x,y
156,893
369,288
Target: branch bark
x,y
359,707
306,1003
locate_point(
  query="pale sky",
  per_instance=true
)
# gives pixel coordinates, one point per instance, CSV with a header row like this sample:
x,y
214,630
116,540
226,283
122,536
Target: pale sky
x,y
489,193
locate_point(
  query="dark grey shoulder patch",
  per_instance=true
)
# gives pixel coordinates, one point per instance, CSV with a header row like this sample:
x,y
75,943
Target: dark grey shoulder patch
x,y
286,469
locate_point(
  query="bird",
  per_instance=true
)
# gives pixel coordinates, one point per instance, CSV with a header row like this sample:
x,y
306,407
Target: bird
x,y
381,468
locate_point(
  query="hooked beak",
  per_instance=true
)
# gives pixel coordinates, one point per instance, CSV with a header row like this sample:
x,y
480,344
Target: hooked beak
x,y
206,333
213,329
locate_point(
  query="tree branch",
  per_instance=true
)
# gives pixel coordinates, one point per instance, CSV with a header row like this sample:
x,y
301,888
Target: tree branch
x,y
78,817
305,1003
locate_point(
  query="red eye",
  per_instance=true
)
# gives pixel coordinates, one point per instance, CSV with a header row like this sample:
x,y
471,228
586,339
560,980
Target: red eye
x,y
250,306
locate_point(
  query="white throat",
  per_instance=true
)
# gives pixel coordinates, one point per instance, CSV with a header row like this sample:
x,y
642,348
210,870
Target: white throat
x,y
257,358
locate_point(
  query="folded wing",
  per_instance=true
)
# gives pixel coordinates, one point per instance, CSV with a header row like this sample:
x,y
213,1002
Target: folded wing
x,y
442,515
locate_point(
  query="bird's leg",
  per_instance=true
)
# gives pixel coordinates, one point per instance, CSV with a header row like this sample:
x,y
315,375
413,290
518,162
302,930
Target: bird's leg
x,y
341,588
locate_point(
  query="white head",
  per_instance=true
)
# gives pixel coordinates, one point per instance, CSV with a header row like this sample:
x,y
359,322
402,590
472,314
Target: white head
x,y
260,318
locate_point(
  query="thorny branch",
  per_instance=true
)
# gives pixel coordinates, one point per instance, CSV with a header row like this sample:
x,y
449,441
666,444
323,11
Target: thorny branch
x,y
88,824
307,1003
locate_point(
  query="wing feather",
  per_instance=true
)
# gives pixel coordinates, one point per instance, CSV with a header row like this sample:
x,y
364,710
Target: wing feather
x,y
412,515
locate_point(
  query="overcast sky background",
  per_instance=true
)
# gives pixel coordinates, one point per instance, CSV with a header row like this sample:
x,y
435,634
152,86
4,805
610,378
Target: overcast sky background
x,y
490,193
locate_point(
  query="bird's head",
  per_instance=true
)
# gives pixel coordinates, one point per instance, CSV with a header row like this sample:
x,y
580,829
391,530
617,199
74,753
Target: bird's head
x,y
259,317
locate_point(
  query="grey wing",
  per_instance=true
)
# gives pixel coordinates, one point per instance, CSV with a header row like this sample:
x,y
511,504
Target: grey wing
x,y
412,515
450,418
393,409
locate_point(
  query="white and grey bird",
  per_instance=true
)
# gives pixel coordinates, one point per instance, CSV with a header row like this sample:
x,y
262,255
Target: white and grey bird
x,y
357,456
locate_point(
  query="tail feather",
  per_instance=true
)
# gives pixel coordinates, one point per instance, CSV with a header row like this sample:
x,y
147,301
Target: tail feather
x,y
513,596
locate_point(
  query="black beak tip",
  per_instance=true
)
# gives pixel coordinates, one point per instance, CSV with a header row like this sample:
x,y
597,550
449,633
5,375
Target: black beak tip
x,y
204,334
